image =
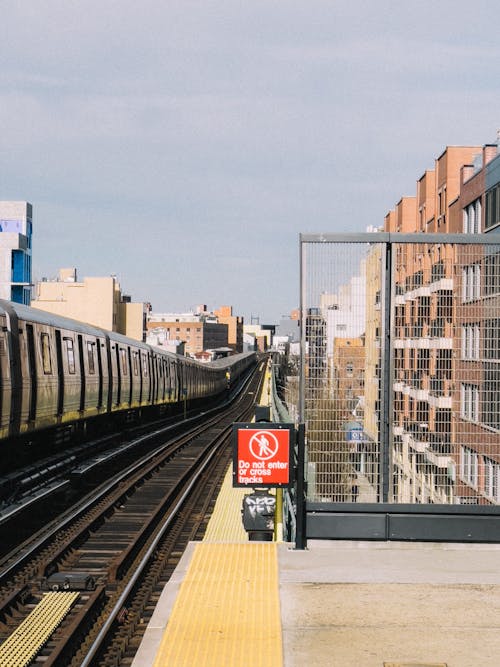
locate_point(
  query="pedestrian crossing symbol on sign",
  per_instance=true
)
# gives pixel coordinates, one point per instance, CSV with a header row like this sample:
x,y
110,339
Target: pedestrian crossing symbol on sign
x,y
264,445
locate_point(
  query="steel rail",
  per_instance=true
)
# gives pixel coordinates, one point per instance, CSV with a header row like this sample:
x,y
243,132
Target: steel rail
x,y
113,614
24,554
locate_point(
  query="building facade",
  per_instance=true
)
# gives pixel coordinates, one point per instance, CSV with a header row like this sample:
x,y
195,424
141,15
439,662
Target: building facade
x,y
234,324
16,228
198,331
97,301
446,357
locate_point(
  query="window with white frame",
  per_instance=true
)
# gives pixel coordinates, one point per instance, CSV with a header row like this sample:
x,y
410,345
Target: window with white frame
x,y
470,341
490,414
469,465
469,402
491,479
472,218
471,282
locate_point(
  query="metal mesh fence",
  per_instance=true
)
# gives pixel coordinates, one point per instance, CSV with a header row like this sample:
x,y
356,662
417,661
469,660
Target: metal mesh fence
x,y
400,368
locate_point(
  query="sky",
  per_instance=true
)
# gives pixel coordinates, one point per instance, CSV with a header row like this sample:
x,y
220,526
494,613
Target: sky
x,y
183,146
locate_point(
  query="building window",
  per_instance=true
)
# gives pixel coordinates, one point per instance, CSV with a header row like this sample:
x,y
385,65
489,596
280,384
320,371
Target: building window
x,y
492,274
491,396
470,341
491,479
492,339
469,465
492,216
472,218
70,355
471,283
469,402
46,358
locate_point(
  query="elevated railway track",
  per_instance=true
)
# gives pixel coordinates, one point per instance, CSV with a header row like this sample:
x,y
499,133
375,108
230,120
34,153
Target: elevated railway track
x,y
118,548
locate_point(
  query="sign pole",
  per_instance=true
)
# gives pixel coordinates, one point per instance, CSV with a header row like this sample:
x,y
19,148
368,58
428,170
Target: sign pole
x,y
300,532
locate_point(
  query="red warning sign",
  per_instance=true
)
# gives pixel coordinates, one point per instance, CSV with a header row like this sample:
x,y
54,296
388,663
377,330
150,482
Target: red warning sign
x,y
262,455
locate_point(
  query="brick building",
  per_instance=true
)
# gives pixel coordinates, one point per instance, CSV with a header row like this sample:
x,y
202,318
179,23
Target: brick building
x,y
446,316
197,331
234,324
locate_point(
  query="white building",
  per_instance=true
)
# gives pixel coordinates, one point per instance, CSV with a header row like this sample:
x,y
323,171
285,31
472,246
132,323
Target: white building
x,y
345,312
15,251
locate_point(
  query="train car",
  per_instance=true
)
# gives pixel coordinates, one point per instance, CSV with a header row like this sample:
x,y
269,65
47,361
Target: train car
x,y
57,372
54,368
5,375
131,372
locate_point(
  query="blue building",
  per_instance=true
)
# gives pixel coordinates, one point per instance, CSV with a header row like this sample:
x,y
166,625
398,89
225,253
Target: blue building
x,y
16,228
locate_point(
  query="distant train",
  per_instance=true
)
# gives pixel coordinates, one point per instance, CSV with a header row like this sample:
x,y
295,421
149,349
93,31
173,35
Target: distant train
x,y
55,371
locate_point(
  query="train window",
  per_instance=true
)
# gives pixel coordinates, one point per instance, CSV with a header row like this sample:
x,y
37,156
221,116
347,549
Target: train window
x,y
91,358
135,362
145,365
70,354
46,360
123,357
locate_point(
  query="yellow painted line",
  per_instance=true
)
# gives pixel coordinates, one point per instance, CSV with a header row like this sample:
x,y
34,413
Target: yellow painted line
x,y
227,611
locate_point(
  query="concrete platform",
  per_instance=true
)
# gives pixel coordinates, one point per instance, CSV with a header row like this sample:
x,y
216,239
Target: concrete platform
x,y
361,604
370,604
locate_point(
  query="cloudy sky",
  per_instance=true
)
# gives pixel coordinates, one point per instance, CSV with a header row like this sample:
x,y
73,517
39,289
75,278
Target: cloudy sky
x,y
184,145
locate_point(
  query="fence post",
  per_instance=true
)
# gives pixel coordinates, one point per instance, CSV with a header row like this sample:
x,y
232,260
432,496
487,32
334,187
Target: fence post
x,y
301,525
385,377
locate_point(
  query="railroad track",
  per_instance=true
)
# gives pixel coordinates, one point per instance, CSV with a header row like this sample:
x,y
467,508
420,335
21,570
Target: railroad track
x,y
121,547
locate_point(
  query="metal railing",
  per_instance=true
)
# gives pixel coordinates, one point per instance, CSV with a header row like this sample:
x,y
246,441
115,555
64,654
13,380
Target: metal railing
x,y
397,415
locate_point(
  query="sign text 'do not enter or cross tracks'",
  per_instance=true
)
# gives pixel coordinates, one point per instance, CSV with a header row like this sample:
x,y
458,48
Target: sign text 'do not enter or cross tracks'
x,y
261,454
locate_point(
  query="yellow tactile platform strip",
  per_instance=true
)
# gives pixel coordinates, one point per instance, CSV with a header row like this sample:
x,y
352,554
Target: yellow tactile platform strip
x,y
225,524
24,643
227,611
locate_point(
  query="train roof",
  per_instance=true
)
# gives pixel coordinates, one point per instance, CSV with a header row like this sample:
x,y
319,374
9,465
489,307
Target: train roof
x,y
44,317
50,319
229,361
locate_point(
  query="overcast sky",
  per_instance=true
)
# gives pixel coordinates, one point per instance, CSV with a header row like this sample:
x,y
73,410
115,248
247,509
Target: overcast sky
x,y
183,146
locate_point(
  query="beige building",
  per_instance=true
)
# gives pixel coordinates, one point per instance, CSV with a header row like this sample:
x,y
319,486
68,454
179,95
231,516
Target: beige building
x,y
225,315
97,301
263,337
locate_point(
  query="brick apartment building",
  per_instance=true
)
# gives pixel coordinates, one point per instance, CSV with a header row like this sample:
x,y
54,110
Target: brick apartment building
x,y
447,350
197,331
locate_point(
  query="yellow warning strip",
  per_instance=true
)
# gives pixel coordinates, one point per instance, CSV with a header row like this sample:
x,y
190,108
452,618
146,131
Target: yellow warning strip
x,y
225,524
19,649
227,611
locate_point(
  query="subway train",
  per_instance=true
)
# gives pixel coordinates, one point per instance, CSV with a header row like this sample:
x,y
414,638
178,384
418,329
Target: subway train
x,y
60,374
